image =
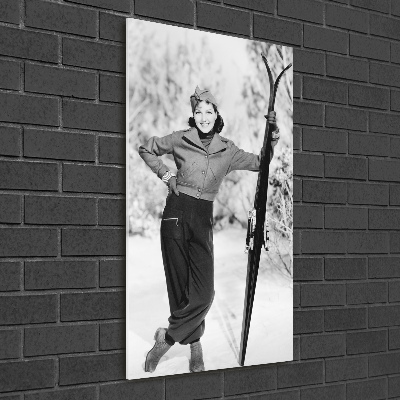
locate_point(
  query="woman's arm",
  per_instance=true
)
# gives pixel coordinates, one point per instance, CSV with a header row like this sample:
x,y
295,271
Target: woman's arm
x,y
153,149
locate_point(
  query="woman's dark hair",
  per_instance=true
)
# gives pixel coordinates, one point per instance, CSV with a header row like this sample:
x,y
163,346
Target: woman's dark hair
x,y
218,125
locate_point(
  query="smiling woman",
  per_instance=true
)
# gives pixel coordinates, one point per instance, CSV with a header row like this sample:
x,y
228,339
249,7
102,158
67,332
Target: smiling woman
x,y
203,158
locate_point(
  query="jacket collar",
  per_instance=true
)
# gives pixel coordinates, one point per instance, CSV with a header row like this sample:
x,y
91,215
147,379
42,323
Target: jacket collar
x,y
216,145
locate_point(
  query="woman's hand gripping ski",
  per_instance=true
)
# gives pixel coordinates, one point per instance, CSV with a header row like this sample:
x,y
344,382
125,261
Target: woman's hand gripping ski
x,y
275,134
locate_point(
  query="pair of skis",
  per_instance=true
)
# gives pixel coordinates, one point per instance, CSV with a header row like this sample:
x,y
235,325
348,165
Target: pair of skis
x,y
255,231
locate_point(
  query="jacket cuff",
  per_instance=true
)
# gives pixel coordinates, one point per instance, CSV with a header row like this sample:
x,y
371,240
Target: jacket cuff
x,y
162,171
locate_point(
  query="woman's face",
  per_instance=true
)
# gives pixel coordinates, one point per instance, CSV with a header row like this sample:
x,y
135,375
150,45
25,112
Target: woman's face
x,y
204,116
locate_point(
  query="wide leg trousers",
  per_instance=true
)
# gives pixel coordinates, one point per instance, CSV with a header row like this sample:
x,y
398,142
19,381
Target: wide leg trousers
x,y
188,256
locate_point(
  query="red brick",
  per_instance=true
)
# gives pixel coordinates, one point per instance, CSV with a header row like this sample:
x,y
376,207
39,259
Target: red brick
x,y
368,193
279,395
367,293
308,321
308,269
297,189
10,273
347,68
308,216
384,267
267,6
345,268
59,145
317,242
112,88
309,10
326,39
88,369
10,209
10,141
27,375
345,167
28,175
90,178
88,54
297,86
395,52
117,5
60,18
9,11
366,342
87,115
309,164
317,191
143,389
367,242
385,74
338,319
28,242
384,123
345,118
376,5
277,30
387,315
394,195
237,382
337,392
60,340
308,61
180,11
60,274
384,364
27,44
306,113
296,295
316,294
369,145
346,218
26,109
384,170
368,390
318,346
395,242
395,8
296,138
112,336
299,374
92,306
112,273
10,74
324,140
346,368
91,242
60,81
26,309
346,18
112,150
112,212
10,344
384,26
369,96
112,27
326,90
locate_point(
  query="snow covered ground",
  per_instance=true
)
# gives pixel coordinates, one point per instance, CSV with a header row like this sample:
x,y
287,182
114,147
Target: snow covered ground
x,y
271,332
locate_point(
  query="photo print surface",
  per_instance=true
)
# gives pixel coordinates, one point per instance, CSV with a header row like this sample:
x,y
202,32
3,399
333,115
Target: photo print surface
x,y
197,109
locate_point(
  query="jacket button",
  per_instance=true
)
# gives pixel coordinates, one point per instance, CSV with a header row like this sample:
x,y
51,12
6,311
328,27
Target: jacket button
x,y
203,172
197,195
199,189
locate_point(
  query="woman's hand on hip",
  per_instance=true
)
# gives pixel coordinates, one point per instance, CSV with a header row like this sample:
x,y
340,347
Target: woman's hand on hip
x,y
172,186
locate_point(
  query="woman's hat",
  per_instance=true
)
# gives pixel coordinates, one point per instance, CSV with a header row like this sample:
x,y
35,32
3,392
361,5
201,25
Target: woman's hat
x,y
200,95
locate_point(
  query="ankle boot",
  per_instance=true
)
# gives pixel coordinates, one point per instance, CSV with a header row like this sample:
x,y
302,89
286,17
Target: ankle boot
x,y
159,349
196,363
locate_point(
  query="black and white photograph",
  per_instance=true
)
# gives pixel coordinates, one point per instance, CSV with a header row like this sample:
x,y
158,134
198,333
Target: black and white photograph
x,y
209,241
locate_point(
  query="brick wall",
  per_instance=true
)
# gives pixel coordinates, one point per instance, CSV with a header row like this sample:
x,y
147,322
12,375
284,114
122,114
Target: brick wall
x,y
62,185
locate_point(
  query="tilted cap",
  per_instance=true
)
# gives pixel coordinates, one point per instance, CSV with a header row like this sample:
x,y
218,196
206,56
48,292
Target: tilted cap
x,y
200,95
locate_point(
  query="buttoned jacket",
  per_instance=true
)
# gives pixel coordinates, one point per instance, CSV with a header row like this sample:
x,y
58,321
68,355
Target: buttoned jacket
x,y
200,170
